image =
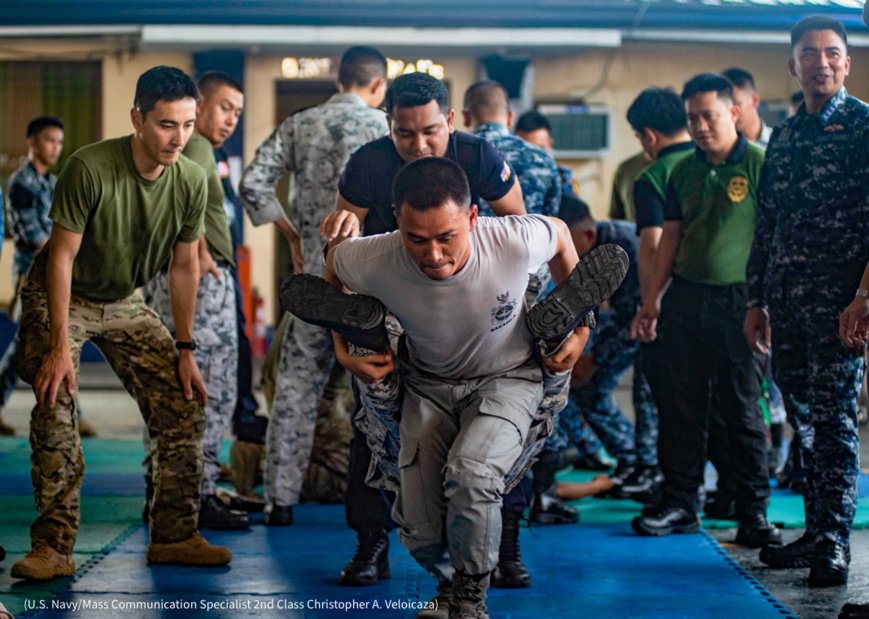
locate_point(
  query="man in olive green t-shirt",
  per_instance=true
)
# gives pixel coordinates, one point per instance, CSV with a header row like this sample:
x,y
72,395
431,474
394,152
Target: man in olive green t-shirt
x,y
709,220
215,325
121,209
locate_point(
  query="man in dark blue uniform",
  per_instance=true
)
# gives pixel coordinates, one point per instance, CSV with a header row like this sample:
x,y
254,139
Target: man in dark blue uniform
x,y
613,353
810,249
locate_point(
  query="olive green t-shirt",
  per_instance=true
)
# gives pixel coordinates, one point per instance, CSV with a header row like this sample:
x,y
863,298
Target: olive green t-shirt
x,y
217,235
129,224
718,207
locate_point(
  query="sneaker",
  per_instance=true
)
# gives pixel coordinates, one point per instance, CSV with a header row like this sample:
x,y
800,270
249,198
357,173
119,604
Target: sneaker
x,y
757,532
642,479
439,606
43,563
618,476
370,562
213,514
510,573
469,596
595,278
830,564
664,520
192,551
796,554
359,318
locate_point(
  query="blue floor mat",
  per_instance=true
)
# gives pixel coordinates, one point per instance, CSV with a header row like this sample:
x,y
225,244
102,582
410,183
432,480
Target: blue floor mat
x,y
587,570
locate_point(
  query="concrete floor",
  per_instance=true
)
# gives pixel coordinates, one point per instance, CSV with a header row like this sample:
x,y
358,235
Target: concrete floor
x,y
115,415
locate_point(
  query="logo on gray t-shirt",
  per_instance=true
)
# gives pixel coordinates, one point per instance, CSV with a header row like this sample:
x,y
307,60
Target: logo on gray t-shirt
x,y
503,314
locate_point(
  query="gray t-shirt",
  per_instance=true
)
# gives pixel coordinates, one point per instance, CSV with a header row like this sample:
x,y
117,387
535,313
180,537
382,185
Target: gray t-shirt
x,y
472,324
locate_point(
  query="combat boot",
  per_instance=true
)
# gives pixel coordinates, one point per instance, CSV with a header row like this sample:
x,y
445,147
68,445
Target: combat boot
x,y
546,506
593,280
86,428
213,514
469,596
439,606
43,563
6,429
245,459
511,572
370,562
192,551
359,318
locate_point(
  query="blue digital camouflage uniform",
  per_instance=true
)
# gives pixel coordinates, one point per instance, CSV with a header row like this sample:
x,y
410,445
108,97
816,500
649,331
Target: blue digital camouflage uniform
x,y
569,182
541,186
810,249
314,145
534,167
29,202
614,352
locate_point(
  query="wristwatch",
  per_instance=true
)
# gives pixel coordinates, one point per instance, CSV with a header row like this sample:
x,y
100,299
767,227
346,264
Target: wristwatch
x,y
191,345
862,292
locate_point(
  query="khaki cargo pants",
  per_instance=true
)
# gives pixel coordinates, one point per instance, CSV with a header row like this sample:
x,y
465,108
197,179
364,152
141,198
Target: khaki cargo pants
x,y
141,352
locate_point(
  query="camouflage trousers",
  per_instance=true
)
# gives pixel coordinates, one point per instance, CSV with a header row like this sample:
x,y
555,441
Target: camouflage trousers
x,y
216,354
379,416
141,352
306,359
812,365
631,445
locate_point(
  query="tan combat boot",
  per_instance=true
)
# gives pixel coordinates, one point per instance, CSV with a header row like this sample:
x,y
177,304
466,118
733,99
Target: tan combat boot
x,y
43,563
86,428
246,462
192,551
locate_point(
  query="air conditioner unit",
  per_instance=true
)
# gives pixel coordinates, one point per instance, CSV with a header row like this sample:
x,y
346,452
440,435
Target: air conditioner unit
x,y
579,131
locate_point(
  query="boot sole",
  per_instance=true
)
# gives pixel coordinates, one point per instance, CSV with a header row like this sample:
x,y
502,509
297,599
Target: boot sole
x,y
594,279
691,528
828,577
184,558
24,573
359,318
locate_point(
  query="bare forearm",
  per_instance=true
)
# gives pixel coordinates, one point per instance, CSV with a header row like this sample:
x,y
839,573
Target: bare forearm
x,y
59,283
183,286
647,255
664,260
565,258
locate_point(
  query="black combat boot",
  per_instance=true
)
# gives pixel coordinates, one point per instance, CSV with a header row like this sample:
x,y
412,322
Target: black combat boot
x,y
213,514
469,596
370,563
511,572
546,506
359,318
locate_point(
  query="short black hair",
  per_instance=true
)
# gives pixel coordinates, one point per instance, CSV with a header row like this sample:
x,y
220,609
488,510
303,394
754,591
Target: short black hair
x,y
430,182
740,78
163,83
659,109
817,22
42,122
487,98
210,80
415,89
361,65
708,82
574,211
532,121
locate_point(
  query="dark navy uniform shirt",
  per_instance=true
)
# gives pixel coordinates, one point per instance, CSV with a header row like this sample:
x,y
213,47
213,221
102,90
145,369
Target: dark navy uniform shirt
x,y
367,180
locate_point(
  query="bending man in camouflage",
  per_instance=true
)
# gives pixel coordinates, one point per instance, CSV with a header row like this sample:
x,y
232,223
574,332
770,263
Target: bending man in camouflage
x,y
314,145
121,208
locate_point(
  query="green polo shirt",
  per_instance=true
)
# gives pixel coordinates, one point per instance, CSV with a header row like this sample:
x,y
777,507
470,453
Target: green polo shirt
x,y
718,207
